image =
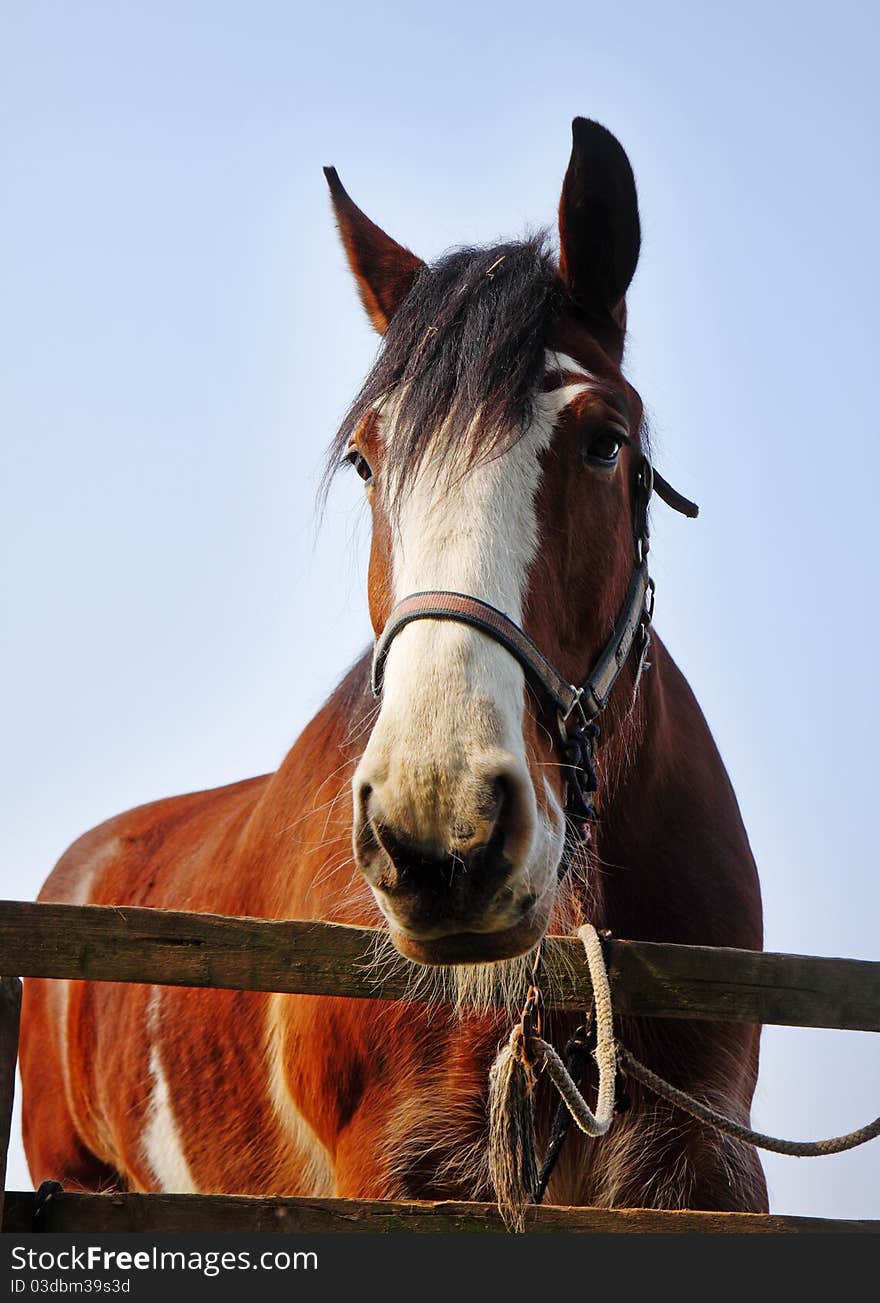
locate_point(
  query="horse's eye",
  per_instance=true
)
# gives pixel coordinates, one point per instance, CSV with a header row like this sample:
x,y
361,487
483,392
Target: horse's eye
x,y
360,463
603,446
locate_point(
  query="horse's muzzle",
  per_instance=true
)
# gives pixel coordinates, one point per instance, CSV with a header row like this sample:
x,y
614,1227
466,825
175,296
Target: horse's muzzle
x,y
477,947
463,904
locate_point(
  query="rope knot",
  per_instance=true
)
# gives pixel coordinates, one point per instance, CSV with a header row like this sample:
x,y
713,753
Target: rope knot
x,y
513,1164
521,1047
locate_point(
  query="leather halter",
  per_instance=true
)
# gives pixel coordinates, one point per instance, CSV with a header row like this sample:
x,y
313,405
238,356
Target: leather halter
x,y
589,699
577,707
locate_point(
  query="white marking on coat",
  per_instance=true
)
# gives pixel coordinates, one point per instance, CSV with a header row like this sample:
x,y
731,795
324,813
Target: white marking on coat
x,y
162,1144
315,1166
452,706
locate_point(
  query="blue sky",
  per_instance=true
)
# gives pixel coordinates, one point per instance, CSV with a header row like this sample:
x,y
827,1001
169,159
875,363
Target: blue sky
x,y
179,337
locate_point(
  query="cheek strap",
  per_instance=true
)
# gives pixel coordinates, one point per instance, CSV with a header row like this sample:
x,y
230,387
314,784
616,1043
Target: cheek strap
x,y
588,699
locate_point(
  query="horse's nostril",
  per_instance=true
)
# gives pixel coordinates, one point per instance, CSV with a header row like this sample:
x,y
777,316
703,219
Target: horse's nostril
x,y
492,800
451,838
414,864
494,807
472,864
503,802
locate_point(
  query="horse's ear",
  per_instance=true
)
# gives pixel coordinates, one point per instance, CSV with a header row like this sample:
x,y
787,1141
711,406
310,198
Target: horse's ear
x,y
599,231
384,270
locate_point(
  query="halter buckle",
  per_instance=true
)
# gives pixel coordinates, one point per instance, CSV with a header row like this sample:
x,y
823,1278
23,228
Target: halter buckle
x,y
643,663
563,716
648,613
644,489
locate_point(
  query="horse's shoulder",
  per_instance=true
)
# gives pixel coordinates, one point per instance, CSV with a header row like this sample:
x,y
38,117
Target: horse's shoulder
x,y
142,836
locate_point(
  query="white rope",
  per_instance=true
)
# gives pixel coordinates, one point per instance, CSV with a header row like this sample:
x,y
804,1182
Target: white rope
x,y
516,1176
592,1124
606,1054
610,1054
710,1117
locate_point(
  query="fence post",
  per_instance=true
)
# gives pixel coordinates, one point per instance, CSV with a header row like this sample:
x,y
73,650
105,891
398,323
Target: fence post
x,y
10,1011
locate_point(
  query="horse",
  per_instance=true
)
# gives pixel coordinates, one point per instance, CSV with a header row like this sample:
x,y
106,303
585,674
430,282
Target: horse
x,y
443,795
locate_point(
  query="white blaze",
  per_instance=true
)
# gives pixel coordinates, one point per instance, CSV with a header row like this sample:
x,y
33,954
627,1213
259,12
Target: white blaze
x,y
474,532
452,705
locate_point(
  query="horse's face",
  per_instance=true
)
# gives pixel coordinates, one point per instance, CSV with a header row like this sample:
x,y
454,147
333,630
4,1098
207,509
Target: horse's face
x,y
513,490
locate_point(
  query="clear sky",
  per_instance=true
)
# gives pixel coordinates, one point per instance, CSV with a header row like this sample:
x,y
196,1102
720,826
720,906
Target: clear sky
x,y
179,336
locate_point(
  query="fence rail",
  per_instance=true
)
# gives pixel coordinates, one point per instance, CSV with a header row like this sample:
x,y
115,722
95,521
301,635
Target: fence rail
x,y
130,944
160,1213
165,947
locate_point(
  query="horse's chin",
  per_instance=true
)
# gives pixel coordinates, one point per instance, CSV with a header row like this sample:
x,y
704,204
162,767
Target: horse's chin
x,y
476,947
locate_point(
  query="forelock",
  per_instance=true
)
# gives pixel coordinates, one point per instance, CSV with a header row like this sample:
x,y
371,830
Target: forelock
x,y
462,358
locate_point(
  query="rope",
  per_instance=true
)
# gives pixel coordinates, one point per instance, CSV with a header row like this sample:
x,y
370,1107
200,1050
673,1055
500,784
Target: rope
x,y
631,1066
592,1124
512,1160
610,1053
513,1166
578,1052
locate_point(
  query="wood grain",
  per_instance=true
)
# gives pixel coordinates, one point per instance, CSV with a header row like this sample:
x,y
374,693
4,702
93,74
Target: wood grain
x,y
159,1213
131,944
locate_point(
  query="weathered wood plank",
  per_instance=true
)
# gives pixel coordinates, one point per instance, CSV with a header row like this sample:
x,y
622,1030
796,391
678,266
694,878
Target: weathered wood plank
x,y
10,1012
159,1213
669,981
132,944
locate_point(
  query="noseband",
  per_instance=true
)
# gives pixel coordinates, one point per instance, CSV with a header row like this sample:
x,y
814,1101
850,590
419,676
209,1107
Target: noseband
x,y
577,707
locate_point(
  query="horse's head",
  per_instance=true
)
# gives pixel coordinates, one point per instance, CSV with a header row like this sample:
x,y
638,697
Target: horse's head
x,y
499,445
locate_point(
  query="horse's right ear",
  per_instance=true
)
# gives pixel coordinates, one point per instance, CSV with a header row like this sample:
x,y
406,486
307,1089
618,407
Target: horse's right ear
x,y
384,270
599,231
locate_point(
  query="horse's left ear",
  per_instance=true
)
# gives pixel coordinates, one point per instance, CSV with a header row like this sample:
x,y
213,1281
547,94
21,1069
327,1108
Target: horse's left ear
x,y
384,270
599,231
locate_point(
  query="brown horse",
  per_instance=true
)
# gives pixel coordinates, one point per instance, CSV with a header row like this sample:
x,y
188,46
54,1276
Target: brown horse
x,y
503,454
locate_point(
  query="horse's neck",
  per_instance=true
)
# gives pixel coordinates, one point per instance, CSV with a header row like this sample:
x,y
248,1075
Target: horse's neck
x,y
673,857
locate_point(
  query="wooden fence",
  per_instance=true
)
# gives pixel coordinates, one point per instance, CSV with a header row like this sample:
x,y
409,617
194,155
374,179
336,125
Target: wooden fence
x,y
165,947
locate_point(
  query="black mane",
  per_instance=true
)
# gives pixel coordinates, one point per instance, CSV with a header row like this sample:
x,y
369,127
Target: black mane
x,y
468,340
